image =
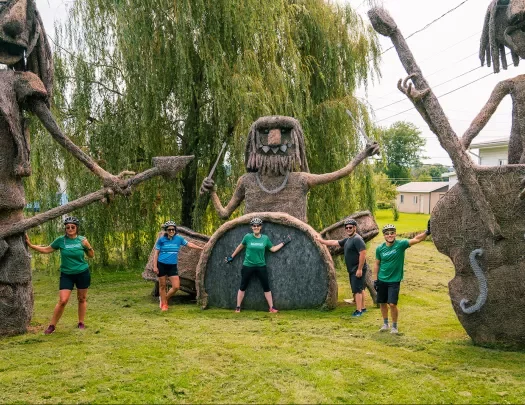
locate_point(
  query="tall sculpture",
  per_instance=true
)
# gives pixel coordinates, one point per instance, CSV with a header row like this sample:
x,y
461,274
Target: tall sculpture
x,y
278,178
26,87
480,223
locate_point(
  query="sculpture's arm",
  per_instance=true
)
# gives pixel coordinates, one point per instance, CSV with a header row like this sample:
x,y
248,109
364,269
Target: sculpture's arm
x,y
238,197
430,109
40,109
317,179
500,91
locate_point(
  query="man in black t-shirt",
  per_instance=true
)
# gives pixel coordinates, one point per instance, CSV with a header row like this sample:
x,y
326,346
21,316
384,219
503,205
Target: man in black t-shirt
x,y
355,259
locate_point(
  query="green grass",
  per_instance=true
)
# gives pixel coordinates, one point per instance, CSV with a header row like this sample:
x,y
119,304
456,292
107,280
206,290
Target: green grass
x,y
133,353
405,223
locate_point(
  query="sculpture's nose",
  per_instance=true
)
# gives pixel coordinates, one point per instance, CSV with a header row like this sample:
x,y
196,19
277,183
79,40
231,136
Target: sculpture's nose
x,y
15,19
274,137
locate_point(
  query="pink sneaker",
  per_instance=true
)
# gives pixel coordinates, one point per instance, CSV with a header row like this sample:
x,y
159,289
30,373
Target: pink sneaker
x,y
50,329
81,325
164,308
273,310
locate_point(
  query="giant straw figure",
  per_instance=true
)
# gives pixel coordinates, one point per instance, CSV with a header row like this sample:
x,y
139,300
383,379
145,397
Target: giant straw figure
x,y
26,86
278,178
480,222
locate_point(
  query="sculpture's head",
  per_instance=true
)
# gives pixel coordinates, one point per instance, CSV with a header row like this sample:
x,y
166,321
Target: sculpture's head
x,y
23,42
504,27
275,146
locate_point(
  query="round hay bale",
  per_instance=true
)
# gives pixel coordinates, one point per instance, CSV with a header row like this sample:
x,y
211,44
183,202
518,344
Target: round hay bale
x,y
457,230
301,274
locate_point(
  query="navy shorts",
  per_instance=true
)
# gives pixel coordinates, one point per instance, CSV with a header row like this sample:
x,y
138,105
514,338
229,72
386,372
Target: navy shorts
x,y
247,273
387,293
169,270
357,284
81,280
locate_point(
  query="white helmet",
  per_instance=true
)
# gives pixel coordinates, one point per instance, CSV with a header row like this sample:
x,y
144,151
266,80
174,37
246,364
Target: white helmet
x,y
256,221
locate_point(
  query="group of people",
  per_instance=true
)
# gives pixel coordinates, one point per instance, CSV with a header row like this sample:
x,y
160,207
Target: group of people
x,y
388,268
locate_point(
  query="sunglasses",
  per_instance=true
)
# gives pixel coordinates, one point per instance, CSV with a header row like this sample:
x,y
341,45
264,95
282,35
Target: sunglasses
x,y
256,226
171,230
389,233
71,227
349,227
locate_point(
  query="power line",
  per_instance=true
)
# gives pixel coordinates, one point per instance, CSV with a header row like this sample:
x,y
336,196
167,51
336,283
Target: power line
x,y
429,24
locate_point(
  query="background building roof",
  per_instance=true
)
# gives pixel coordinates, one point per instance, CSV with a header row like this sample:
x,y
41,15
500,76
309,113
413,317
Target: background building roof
x,y
422,186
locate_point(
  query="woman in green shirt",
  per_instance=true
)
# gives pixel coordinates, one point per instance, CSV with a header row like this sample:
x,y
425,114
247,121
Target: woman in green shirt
x,y
256,245
74,270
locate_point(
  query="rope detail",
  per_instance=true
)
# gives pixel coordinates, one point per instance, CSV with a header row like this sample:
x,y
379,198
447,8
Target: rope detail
x,y
483,289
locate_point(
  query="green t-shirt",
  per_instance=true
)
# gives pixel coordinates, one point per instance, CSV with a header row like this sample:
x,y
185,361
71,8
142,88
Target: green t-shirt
x,y
72,251
392,260
255,250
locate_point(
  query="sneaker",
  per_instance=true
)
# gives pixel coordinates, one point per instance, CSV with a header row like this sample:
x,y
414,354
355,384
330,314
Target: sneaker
x,y
237,309
363,310
384,328
81,325
164,308
357,313
50,329
273,310
394,331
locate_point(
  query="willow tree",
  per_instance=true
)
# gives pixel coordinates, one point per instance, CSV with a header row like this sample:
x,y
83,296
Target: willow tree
x,y
161,77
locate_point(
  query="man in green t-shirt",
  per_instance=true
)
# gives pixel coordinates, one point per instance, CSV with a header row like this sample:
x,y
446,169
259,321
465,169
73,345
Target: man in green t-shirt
x,y
389,266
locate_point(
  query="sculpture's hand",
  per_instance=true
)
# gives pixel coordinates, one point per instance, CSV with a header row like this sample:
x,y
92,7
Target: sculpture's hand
x,y
408,90
372,149
207,185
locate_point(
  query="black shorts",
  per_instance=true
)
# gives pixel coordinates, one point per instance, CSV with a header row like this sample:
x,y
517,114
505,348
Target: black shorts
x,y
387,293
357,284
81,280
247,273
169,270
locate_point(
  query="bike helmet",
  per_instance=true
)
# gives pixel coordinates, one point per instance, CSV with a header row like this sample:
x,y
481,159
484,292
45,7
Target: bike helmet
x,y
71,220
169,223
256,221
350,221
389,227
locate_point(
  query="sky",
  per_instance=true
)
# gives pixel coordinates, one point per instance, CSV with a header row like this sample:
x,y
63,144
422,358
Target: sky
x,y
445,50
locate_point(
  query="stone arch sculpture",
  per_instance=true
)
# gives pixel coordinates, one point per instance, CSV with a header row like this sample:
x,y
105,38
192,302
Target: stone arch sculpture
x,y
480,222
26,87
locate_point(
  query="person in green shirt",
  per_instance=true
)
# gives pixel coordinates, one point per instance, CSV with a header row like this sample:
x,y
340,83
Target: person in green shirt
x,y
254,263
74,270
389,267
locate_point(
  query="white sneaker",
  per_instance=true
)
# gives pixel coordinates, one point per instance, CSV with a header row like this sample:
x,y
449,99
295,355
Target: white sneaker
x,y
394,331
384,328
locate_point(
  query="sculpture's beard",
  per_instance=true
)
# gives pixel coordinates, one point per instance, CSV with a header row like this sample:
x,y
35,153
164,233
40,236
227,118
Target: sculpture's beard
x,y
275,165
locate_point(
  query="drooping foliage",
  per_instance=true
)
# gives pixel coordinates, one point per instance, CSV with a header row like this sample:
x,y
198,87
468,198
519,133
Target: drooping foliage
x,y
138,79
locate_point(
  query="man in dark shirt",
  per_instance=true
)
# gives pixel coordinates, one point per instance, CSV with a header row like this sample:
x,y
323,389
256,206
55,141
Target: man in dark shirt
x,y
355,259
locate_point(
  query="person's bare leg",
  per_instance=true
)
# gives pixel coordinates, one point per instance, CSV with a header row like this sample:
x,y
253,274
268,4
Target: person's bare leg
x,y
82,304
162,290
394,312
358,297
63,298
384,310
240,297
269,299
175,285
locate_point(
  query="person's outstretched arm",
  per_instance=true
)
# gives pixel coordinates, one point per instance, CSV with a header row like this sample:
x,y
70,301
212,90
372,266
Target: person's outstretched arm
x,y
41,249
421,237
280,245
327,242
229,259
194,246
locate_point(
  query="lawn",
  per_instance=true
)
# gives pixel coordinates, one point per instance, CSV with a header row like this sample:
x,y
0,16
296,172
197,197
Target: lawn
x,y
130,352
405,223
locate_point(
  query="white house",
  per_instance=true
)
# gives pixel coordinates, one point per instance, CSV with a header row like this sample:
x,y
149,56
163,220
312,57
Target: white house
x,y
420,196
492,152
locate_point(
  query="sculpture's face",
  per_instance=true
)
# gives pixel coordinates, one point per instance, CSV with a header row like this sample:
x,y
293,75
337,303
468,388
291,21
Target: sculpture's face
x,y
514,34
275,141
18,30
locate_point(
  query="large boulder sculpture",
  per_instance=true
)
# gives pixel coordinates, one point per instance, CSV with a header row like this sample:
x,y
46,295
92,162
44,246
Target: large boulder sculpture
x,y
26,87
301,276
480,222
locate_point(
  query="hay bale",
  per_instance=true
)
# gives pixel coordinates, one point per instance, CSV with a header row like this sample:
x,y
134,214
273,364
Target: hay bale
x,y
301,274
457,230
188,259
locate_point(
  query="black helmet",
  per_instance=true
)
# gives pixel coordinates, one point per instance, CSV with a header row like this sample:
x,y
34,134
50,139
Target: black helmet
x,y
71,220
169,223
350,221
256,221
